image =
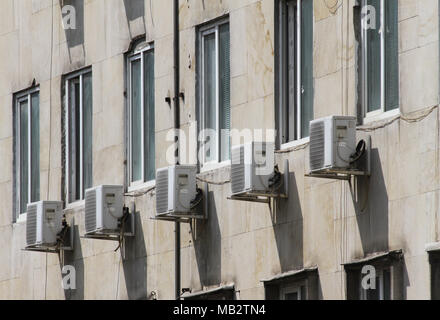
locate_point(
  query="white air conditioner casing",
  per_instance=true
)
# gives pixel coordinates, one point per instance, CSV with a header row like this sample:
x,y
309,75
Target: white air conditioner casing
x,y
252,166
176,188
103,208
332,143
44,222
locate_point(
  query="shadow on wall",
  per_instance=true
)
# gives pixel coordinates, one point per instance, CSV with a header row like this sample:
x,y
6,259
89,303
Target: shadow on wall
x,y
75,259
135,9
73,29
135,263
207,245
370,199
288,228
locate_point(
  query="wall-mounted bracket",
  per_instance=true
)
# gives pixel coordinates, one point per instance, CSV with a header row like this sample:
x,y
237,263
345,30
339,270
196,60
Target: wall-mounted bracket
x,y
65,242
200,212
115,235
362,168
265,197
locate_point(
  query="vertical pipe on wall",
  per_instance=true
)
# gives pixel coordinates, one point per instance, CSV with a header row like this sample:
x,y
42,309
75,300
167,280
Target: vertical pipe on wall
x,y
177,127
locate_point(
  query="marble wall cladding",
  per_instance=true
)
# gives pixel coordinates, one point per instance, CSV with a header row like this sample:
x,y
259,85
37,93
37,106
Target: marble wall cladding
x,y
324,223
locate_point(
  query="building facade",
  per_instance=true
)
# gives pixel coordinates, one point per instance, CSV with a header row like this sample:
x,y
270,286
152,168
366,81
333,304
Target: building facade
x,y
86,93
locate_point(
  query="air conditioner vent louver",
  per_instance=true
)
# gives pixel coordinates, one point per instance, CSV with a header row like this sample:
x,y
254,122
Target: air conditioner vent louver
x,y
251,169
238,170
176,188
44,222
162,192
31,225
104,206
317,145
332,143
90,211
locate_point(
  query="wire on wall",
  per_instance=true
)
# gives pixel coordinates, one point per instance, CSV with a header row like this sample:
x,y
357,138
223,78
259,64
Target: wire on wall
x,y
293,149
421,115
140,193
215,183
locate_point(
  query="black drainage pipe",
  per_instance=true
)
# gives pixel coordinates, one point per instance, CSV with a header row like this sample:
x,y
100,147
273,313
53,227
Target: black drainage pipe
x,y
177,127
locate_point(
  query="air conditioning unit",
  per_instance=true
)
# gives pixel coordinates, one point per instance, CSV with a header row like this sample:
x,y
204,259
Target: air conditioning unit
x,y
332,143
176,188
44,222
252,168
103,209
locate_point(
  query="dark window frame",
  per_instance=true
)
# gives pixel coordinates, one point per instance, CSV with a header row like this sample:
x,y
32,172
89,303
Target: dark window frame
x,y
201,31
388,50
391,261
294,86
33,193
140,49
70,123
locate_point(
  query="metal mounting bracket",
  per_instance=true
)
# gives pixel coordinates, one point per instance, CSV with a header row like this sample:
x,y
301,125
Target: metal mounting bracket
x,y
362,168
67,244
129,230
200,212
265,197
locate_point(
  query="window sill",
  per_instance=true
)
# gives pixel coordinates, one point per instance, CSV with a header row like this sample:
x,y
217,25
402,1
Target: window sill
x,y
214,166
140,187
294,144
21,219
76,205
380,116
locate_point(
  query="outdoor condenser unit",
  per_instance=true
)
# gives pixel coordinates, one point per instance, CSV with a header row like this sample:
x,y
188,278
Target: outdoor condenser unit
x,y
332,143
176,189
104,209
252,169
44,222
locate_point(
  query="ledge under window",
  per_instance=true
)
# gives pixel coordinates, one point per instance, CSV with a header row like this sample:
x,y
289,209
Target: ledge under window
x,y
214,166
384,257
226,292
380,116
294,144
134,188
21,219
291,274
432,247
76,205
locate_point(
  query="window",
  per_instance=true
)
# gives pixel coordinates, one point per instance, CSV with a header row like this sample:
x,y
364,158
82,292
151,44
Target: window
x,y
376,278
295,292
141,115
214,91
380,57
79,121
27,149
296,285
295,69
